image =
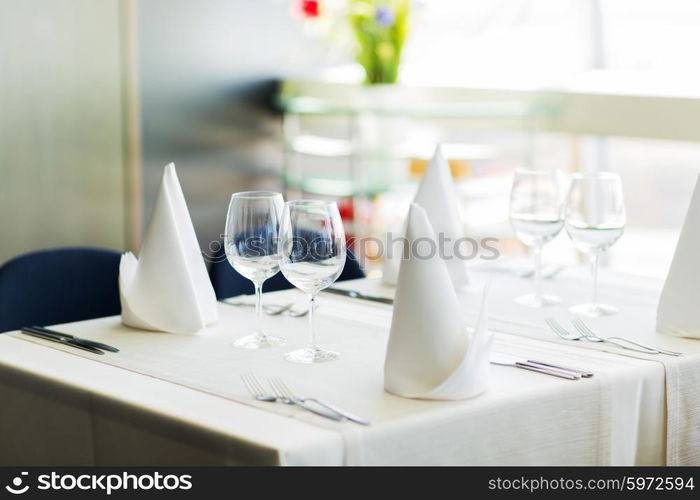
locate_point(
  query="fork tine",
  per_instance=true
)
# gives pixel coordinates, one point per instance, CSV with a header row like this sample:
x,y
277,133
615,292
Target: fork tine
x,y
583,326
281,389
554,329
247,384
552,323
256,383
560,330
275,389
555,326
286,389
279,386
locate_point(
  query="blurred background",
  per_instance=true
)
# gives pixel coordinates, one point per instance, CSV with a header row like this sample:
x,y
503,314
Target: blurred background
x,y
344,100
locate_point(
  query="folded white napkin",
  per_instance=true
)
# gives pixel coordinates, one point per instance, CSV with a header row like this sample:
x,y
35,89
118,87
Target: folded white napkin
x,y
167,288
678,313
431,353
437,195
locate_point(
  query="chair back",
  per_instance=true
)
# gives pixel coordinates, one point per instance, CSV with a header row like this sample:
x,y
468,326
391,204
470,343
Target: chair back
x,y
228,283
59,286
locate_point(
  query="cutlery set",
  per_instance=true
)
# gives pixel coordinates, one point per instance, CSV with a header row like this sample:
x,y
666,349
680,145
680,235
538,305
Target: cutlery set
x,y
274,309
278,309
69,340
498,358
280,393
583,332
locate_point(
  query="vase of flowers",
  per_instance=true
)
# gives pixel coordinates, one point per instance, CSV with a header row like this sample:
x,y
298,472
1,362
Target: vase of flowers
x,y
374,33
377,31
380,28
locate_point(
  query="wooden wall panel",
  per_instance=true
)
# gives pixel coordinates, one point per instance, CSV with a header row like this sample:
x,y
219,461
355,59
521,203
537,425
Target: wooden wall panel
x,y
63,135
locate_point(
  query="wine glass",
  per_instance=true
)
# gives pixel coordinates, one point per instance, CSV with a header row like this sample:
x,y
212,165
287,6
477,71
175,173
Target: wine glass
x,y
595,220
536,218
312,242
251,244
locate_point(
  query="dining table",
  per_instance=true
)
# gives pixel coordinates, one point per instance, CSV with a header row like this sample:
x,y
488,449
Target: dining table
x,y
169,399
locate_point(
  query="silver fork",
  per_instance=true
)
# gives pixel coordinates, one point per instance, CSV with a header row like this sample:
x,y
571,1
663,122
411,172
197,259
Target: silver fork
x,y
275,309
269,309
546,275
256,389
567,335
561,331
278,385
583,328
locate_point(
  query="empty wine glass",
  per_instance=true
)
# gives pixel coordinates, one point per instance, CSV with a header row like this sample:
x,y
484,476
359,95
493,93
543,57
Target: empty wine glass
x,y
536,218
312,242
595,220
251,244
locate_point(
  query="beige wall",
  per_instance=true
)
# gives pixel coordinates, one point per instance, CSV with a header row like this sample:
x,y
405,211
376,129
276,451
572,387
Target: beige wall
x,y
63,133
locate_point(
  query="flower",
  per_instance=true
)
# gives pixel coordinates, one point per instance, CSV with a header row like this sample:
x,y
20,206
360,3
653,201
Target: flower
x,y
308,8
385,16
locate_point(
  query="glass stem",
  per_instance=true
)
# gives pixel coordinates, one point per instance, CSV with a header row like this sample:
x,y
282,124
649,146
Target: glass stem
x,y
537,253
594,271
312,331
258,310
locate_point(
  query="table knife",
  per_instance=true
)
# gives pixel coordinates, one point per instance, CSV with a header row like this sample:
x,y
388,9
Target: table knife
x,y
354,294
61,340
583,373
498,358
79,340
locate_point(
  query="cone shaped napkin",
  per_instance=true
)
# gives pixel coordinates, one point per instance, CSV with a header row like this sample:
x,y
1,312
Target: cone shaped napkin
x,y
678,313
167,288
436,194
431,354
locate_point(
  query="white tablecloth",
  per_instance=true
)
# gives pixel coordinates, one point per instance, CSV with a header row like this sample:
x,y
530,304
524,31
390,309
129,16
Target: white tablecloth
x,y
178,399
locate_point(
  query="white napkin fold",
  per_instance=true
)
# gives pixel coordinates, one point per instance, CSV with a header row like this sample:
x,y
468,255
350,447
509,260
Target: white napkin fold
x,y
678,313
167,288
431,354
437,195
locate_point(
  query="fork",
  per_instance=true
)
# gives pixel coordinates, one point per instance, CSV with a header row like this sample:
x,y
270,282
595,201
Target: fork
x,y
583,328
545,275
561,331
269,309
255,388
567,335
275,309
278,386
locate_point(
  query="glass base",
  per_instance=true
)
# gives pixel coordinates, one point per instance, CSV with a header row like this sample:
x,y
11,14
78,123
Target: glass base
x,y
537,300
257,341
593,310
310,355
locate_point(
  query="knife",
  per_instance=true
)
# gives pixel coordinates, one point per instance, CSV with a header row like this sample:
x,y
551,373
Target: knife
x,y
89,343
583,373
354,294
61,340
498,358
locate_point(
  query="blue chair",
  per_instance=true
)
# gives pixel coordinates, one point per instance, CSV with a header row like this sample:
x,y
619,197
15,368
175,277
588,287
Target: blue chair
x,y
228,283
59,286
